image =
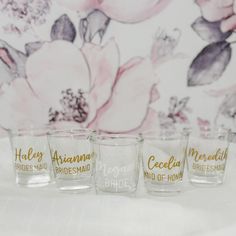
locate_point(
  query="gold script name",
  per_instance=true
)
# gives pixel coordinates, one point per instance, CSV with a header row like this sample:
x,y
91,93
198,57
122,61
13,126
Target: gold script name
x,y
60,160
219,155
30,155
170,164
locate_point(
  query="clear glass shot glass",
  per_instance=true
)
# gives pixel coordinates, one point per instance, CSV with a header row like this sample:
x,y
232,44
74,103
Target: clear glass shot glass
x,y
163,161
72,159
31,156
207,154
117,162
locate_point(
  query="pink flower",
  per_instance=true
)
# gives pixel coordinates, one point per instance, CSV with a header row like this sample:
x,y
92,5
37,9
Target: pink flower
x,y
121,10
83,86
219,10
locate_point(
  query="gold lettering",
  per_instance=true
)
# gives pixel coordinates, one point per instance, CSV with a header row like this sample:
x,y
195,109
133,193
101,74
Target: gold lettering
x,y
29,156
208,168
148,175
219,155
30,151
170,164
192,152
151,158
175,177
60,160
72,170
18,154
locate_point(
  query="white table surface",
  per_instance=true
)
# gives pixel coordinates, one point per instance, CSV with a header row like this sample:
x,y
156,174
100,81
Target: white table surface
x,y
47,212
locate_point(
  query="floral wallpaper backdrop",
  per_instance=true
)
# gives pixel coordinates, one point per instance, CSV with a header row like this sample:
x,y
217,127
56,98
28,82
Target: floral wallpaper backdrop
x,y
118,66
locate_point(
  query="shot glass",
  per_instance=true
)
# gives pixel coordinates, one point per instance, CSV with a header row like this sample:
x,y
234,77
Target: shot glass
x,y
31,157
117,162
163,161
72,159
207,155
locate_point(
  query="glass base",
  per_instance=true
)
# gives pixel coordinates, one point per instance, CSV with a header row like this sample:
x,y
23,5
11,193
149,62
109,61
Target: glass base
x,y
163,189
73,186
205,180
38,180
116,191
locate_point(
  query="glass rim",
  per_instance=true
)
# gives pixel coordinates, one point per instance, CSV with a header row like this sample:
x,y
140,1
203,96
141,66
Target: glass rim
x,y
208,133
29,130
107,138
67,131
166,135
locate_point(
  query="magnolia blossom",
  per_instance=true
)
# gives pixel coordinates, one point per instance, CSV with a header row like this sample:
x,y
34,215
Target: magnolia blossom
x,y
219,10
129,11
83,86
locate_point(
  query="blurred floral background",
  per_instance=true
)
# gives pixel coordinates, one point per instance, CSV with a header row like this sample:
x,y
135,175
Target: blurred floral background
x,y
118,66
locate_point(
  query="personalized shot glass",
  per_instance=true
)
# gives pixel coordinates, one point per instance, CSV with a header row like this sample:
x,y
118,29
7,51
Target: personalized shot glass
x,y
207,154
117,162
31,157
163,161
72,159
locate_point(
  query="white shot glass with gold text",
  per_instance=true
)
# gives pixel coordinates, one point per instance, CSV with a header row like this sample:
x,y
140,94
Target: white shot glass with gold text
x,y
207,154
31,156
72,159
163,159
